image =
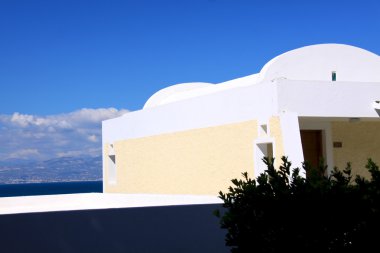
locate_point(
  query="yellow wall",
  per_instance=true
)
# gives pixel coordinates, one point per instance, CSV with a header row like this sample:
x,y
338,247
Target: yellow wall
x,y
276,134
360,141
105,164
200,161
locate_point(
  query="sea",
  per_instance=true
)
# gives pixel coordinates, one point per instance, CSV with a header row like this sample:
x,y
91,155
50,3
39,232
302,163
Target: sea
x,y
12,190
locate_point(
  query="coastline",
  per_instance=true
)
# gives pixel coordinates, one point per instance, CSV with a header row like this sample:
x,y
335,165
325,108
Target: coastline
x,y
50,188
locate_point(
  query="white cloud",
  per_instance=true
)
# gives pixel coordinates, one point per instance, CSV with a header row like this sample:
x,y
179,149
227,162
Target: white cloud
x,y
64,121
22,120
92,138
25,153
45,137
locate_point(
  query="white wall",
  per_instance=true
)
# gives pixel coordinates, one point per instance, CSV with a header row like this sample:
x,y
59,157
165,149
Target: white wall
x,y
224,107
292,138
328,99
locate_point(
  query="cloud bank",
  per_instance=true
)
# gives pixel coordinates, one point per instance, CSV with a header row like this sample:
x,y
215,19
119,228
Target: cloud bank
x,y
24,136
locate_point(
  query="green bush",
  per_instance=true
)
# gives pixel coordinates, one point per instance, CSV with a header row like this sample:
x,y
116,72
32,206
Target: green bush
x,y
281,211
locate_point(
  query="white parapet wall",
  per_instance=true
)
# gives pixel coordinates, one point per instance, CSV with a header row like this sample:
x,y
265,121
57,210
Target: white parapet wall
x,y
328,99
225,107
88,201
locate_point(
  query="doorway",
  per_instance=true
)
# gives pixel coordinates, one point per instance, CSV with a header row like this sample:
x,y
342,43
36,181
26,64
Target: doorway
x,y
312,146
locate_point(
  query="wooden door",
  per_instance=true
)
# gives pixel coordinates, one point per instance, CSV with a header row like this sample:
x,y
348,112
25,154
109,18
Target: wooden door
x,y
312,146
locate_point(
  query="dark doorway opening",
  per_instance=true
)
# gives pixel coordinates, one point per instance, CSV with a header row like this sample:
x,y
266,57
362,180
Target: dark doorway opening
x,y
312,146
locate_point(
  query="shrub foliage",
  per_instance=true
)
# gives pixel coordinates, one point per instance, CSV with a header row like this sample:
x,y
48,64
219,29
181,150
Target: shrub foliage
x,y
282,211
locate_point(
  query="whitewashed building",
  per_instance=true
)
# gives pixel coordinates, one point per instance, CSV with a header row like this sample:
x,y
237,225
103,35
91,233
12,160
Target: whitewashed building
x,y
193,138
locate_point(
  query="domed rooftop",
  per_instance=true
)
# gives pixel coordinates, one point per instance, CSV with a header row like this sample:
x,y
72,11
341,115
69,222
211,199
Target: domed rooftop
x,y
311,63
163,96
317,62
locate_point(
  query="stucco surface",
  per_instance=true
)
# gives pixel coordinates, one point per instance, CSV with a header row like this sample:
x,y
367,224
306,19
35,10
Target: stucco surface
x,y
200,161
276,133
360,141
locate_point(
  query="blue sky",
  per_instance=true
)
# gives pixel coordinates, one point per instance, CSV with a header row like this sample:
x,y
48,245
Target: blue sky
x,y
98,59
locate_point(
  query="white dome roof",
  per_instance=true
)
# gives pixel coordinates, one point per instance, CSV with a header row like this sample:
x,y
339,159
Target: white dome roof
x,y
310,63
163,96
317,62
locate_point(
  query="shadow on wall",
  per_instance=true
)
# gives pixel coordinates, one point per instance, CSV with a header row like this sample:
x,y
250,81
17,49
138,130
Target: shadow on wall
x,y
191,228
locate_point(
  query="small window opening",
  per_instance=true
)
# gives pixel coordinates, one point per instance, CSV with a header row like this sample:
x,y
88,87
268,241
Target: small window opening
x,y
111,165
262,150
112,169
333,76
263,130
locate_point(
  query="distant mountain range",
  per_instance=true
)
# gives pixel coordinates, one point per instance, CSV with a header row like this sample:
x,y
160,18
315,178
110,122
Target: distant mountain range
x,y
64,169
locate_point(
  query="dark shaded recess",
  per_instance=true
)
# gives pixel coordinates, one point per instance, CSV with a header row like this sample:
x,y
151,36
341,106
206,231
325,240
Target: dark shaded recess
x,y
191,228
